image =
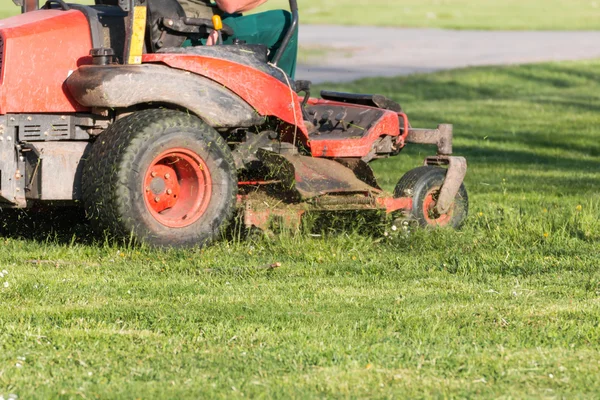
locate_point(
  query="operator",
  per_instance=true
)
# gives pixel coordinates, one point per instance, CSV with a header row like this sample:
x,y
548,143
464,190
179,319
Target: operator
x,y
267,28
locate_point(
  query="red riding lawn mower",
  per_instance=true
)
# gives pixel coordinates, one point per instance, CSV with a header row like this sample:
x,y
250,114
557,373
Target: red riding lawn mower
x,y
163,144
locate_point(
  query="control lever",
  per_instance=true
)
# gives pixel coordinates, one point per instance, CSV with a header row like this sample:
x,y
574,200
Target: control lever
x,y
341,119
326,116
304,86
218,26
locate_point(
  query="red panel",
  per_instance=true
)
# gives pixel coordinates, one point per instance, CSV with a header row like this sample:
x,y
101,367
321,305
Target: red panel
x,y
388,125
41,49
269,96
395,204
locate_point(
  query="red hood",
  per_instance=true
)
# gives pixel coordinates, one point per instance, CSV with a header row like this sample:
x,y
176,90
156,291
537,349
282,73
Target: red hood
x,y
40,50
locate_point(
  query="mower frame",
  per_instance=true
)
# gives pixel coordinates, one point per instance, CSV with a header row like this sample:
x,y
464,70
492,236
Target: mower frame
x,y
316,150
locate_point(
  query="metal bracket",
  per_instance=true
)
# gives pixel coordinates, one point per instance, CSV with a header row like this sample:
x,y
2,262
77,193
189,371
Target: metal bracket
x,y
441,137
457,170
12,182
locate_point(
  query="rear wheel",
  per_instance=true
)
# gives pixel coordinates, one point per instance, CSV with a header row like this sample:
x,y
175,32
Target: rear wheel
x,y
161,177
423,185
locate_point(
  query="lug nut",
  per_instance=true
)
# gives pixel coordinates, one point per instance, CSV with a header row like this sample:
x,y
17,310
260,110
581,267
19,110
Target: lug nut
x,y
169,191
147,189
153,174
167,176
157,199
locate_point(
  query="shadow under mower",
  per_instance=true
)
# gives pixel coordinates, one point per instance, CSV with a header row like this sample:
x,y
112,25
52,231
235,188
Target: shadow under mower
x,y
162,144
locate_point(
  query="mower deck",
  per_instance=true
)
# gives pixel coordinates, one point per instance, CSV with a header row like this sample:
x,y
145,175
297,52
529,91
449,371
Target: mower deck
x,y
261,210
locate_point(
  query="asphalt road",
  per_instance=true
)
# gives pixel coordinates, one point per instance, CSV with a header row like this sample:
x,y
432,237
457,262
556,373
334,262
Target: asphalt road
x,y
338,53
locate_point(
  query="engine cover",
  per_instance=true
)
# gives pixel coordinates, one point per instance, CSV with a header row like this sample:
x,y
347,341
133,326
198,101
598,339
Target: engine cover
x,y
41,49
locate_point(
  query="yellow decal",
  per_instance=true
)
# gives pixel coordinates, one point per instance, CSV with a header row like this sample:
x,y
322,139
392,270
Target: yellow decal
x,y
136,47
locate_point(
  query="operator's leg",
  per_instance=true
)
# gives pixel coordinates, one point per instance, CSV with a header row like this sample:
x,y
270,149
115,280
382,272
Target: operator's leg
x,y
268,28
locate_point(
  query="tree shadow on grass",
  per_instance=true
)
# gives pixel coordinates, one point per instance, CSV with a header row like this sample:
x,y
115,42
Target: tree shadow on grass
x,y
484,83
563,141
555,75
525,160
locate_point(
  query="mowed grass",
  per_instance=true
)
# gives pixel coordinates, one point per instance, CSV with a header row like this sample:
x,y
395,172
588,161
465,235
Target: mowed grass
x,y
507,307
453,14
449,14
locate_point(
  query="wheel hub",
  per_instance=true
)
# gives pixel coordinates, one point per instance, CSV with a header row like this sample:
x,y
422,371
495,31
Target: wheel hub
x,y
432,216
158,185
177,187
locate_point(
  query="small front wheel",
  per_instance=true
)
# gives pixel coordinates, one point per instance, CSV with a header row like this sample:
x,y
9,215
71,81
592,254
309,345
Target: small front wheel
x,y
423,184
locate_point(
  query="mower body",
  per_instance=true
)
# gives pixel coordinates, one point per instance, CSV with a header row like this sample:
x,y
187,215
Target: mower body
x,y
39,51
58,94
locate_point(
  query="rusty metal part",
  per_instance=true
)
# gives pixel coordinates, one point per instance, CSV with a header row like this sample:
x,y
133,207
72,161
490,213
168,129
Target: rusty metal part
x,y
123,86
355,202
12,189
344,201
457,170
245,153
312,177
361,169
257,183
53,169
441,137
261,211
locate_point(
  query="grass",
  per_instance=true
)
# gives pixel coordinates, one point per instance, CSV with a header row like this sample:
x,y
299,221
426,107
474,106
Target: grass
x,y
313,55
507,307
453,14
450,14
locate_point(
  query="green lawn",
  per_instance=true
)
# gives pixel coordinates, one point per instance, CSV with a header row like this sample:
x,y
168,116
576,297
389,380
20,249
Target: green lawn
x,y
508,307
452,14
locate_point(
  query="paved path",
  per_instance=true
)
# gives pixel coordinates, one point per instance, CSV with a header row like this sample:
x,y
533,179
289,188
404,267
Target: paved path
x,y
357,52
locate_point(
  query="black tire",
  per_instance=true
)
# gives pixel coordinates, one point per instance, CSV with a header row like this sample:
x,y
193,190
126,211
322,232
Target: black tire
x,y
423,184
115,189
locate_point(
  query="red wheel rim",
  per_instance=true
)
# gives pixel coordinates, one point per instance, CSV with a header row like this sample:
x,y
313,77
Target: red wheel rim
x,y
177,187
432,217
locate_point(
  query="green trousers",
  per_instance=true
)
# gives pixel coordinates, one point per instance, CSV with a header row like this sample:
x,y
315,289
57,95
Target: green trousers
x,y
268,28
